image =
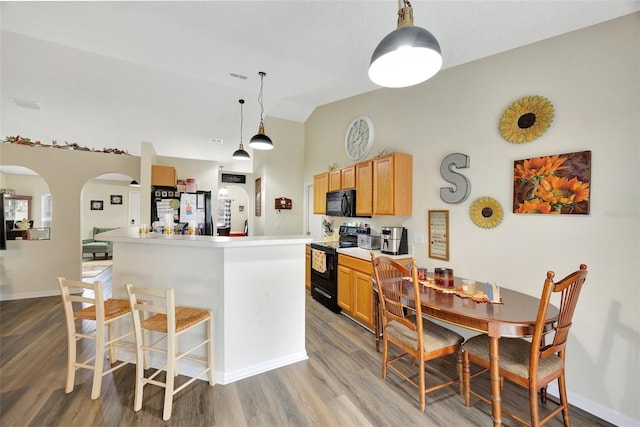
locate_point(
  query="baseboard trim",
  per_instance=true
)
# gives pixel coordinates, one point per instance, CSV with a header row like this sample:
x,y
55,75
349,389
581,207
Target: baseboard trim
x,y
27,295
240,374
607,414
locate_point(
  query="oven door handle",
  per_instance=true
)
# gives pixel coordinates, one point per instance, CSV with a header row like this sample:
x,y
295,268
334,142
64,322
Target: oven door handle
x,y
323,293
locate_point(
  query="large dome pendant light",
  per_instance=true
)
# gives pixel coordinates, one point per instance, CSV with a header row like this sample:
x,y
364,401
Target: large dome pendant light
x,y
260,141
406,56
240,154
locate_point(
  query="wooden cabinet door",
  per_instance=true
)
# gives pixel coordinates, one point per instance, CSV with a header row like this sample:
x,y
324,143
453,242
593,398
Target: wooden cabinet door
x,y
363,298
364,188
345,289
348,177
320,188
383,187
163,175
335,180
393,185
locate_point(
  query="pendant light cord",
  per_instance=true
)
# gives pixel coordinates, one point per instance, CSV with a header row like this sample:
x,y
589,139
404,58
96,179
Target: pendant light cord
x,y
260,95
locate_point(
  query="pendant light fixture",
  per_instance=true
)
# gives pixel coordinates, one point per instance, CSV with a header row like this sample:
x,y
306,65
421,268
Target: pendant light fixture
x,y
260,141
407,56
240,154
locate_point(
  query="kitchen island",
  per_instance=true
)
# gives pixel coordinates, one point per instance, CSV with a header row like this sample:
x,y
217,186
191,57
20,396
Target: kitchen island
x,y
253,285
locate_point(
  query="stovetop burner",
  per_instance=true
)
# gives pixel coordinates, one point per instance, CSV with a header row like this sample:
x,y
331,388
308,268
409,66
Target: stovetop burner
x,y
348,238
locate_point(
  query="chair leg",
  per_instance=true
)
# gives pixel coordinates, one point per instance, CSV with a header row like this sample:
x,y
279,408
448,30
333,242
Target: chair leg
x,y
170,378
421,382
562,388
385,353
533,405
71,361
140,358
210,349
98,366
112,353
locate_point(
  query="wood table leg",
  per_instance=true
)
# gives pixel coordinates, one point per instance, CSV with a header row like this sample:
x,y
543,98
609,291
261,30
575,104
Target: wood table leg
x,y
494,371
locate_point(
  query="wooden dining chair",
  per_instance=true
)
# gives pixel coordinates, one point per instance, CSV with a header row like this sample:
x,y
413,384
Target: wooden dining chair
x,y
103,314
154,311
418,338
533,364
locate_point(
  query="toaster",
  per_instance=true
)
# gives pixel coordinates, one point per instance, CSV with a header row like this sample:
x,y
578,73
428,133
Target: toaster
x,y
368,241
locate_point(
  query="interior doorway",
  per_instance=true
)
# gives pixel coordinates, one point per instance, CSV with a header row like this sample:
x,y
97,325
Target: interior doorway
x,y
233,210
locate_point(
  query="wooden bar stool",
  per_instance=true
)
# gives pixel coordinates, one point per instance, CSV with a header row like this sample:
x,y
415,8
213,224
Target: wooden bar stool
x,y
103,313
169,321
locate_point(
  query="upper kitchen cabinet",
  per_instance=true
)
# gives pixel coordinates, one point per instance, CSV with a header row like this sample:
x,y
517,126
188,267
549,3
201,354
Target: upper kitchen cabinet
x,y
348,176
320,188
163,176
342,179
335,180
392,185
364,188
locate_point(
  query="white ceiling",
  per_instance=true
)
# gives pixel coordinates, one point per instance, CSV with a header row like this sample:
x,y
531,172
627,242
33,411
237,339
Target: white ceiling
x,y
160,71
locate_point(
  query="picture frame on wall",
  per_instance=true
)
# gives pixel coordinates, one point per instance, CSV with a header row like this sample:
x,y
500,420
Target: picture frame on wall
x,y
116,199
438,224
258,196
554,184
97,205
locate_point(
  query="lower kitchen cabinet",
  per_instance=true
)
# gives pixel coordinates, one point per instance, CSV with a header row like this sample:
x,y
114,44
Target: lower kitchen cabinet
x,y
355,292
355,288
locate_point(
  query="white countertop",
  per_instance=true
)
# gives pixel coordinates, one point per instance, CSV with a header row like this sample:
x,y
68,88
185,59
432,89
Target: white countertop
x,y
365,253
131,235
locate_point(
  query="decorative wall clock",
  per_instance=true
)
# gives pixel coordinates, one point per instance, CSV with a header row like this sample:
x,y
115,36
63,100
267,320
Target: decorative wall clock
x,y
359,138
526,119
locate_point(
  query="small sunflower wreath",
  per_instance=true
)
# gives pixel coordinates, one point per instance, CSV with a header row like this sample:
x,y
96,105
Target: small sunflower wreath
x,y
486,212
526,119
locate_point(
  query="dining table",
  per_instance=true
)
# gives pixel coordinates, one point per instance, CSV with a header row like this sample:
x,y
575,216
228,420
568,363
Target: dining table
x,y
514,316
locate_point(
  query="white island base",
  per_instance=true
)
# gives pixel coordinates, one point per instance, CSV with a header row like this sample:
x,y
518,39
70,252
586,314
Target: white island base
x,y
254,286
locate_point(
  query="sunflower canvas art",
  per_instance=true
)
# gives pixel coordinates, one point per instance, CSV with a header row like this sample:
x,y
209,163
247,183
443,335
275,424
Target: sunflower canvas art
x,y
557,184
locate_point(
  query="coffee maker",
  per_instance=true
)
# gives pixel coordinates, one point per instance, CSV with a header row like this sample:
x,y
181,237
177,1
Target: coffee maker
x,y
393,241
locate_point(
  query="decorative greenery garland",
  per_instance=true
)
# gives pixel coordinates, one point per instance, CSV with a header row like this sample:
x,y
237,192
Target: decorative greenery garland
x,y
69,146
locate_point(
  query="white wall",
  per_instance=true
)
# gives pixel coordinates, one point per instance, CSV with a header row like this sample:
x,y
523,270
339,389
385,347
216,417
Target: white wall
x,y
281,171
111,216
591,77
65,172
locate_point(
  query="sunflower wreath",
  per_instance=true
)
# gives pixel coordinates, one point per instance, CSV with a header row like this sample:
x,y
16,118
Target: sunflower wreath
x,y
486,212
526,119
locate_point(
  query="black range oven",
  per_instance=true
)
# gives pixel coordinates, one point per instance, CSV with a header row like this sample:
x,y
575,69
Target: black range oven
x,y
324,266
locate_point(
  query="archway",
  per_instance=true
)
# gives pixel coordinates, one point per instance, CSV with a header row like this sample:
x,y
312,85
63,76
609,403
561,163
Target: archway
x,y
233,210
104,204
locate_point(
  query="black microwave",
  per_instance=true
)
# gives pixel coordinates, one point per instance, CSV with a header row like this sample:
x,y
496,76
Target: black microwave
x,y
341,203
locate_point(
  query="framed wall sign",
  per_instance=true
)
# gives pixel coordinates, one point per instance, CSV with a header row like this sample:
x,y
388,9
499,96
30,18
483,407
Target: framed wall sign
x,y
96,205
116,199
438,223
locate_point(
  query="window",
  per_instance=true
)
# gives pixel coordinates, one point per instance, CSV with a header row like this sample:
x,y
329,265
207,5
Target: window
x,y
46,210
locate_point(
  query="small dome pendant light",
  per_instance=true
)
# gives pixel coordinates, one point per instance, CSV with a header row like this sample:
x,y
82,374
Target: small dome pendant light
x,y
407,56
240,154
260,141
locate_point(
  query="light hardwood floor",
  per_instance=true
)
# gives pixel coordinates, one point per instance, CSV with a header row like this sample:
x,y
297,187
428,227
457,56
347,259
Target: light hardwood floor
x,y
340,384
